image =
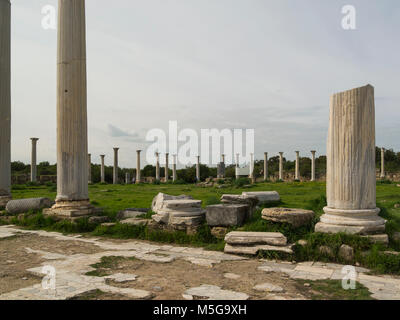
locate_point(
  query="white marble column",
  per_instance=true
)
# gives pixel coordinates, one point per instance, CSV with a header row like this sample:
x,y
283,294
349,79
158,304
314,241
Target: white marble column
x,y
237,166
297,170
158,176
383,163
5,102
127,178
313,165
280,165
138,167
223,167
72,139
166,167
89,168
265,166
351,177
198,177
174,176
115,169
102,170
34,159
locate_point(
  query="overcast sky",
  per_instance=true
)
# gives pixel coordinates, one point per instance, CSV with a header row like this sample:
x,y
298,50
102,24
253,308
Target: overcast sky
x,y
268,65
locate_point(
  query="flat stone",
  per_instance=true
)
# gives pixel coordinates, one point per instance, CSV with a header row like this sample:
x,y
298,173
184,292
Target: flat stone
x,y
210,292
108,224
136,222
219,232
232,276
268,287
159,200
128,213
251,238
202,261
226,215
253,250
378,238
264,196
121,277
98,219
295,217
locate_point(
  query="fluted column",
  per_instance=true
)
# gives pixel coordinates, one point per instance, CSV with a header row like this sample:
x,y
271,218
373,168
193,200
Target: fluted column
x,y
158,166
102,170
5,102
127,178
351,177
174,176
313,165
138,172
34,159
297,171
198,178
280,165
383,163
115,169
89,168
166,167
265,166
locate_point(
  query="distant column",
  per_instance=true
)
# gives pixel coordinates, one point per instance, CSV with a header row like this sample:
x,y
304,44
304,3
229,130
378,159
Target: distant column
x,y
237,166
115,170
383,163
158,166
313,165
252,167
223,167
174,176
166,167
297,171
102,170
198,169
265,166
138,168
5,102
280,165
351,173
89,168
127,178
34,160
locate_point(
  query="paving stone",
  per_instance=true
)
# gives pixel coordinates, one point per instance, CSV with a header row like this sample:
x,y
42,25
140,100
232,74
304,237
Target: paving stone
x,y
210,292
251,238
232,276
268,287
202,262
121,277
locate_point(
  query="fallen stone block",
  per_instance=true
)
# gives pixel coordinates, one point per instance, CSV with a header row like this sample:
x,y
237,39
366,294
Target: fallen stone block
x,y
378,238
253,250
251,201
159,199
26,205
295,217
131,213
346,253
99,219
135,222
219,232
264,196
226,215
252,238
210,292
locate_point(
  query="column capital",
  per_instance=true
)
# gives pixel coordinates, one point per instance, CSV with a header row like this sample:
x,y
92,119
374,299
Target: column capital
x,y
34,139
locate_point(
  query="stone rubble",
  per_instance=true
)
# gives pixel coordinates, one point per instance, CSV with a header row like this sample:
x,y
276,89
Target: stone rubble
x,y
264,197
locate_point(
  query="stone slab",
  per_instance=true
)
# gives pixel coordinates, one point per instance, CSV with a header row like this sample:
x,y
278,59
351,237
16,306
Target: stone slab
x,y
251,238
295,217
210,292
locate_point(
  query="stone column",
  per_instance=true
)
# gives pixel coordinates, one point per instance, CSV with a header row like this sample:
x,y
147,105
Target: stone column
x,y
89,168
127,178
237,166
313,165
138,173
174,176
265,166
115,169
102,170
280,165
5,102
383,163
198,177
351,176
297,171
223,167
252,167
34,160
158,166
166,168
72,140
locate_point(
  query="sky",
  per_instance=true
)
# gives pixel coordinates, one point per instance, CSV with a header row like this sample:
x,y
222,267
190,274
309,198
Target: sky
x,y
267,65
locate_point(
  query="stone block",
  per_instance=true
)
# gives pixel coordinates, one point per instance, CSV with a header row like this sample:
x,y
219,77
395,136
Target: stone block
x,y
346,253
159,199
251,201
26,205
226,215
251,238
219,232
253,250
131,213
264,196
295,217
135,222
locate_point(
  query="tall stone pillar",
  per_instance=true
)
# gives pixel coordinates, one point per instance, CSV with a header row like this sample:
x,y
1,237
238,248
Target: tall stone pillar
x,y
297,171
351,177
138,168
265,166
252,168
174,176
115,169
89,168
223,167
198,177
5,102
383,163
280,165
72,140
158,176
166,167
34,160
102,170
127,178
313,165
237,166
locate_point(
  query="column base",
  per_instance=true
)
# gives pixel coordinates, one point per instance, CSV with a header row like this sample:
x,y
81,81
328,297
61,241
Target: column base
x,y
71,210
360,222
4,200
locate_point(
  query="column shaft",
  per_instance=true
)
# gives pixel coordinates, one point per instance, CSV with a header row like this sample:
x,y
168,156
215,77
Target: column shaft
x,y
174,175
34,160
383,163
166,168
265,166
89,168
297,171
280,165
102,170
198,178
115,169
138,173
313,166
158,176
